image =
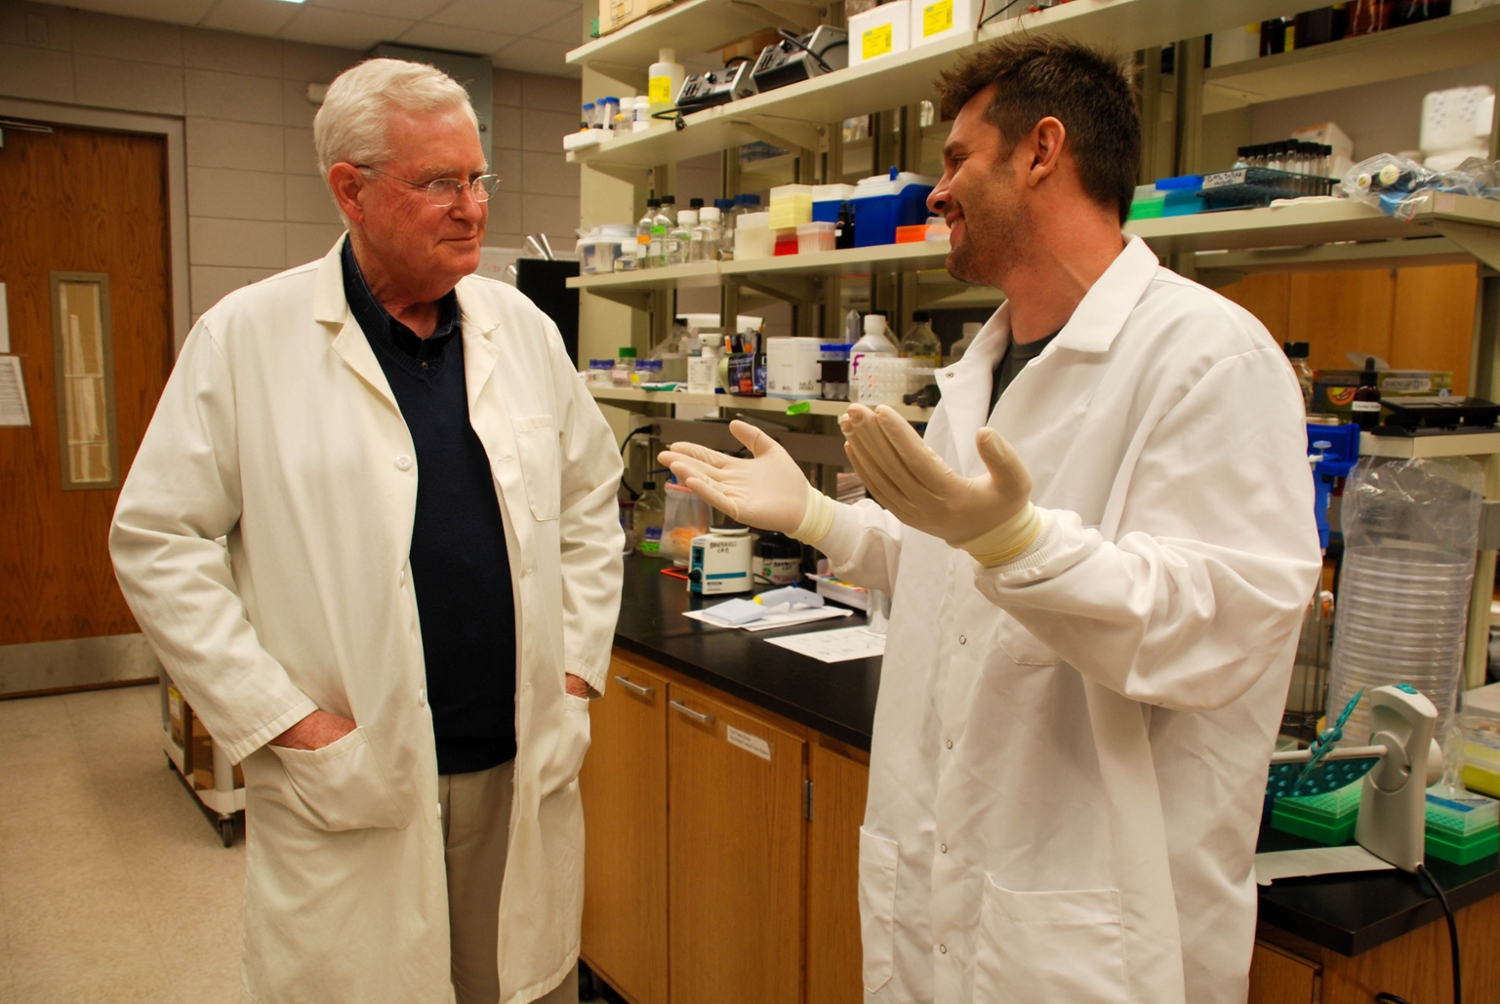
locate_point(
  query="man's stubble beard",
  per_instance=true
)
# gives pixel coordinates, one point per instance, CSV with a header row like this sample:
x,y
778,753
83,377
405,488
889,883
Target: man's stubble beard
x,y
995,232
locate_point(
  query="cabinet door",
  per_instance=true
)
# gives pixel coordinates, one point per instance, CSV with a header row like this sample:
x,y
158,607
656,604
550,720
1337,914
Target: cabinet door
x,y
624,787
736,855
834,956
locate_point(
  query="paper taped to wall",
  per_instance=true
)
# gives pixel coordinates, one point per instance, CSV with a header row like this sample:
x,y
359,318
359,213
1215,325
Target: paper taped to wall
x,y
13,410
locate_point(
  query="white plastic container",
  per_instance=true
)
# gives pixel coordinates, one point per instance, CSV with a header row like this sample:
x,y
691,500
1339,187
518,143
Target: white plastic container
x,y
791,205
814,237
875,344
754,238
703,372
792,369
664,80
881,31
935,20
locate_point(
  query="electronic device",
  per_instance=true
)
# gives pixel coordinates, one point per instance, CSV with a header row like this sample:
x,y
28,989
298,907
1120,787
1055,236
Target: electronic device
x,y
719,87
719,562
801,57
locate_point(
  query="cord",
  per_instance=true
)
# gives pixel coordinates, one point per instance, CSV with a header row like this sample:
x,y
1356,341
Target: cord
x,y
1385,997
650,429
805,48
990,17
1458,994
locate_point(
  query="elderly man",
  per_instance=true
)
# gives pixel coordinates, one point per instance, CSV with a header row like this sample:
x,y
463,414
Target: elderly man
x,y
1093,623
419,587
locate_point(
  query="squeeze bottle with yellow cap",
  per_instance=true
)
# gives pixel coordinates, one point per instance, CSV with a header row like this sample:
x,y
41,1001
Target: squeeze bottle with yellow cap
x,y
664,80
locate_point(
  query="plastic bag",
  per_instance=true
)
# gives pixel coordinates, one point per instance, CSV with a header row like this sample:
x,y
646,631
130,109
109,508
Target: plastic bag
x,y
687,516
1398,186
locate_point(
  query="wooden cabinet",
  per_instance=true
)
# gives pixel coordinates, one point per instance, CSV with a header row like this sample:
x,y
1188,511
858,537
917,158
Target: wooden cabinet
x,y
834,954
735,850
624,785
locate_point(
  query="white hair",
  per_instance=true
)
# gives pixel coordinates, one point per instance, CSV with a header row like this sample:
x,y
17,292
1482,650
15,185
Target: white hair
x,y
352,124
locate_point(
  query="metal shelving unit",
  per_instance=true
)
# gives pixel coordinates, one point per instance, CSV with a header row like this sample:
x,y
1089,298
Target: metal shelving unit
x,y
221,801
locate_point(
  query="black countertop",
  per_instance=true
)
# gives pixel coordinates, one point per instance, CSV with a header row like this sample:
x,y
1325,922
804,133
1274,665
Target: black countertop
x,y
1349,914
836,699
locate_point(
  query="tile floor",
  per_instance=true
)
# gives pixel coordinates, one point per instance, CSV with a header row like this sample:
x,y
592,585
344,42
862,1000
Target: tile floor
x,y
114,887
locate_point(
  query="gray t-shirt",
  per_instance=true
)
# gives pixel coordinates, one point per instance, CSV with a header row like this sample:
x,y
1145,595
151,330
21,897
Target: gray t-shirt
x,y
1013,362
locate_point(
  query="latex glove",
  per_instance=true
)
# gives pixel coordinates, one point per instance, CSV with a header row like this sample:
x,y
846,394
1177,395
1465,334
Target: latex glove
x,y
990,516
769,491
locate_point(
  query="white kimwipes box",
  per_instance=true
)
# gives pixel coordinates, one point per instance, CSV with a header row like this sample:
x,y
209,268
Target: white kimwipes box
x,y
880,32
933,20
792,368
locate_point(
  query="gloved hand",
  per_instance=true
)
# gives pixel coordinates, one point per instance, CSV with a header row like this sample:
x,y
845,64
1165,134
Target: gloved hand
x,y
991,516
769,492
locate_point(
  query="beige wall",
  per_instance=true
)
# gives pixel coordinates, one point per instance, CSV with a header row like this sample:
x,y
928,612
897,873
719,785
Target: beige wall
x,y
255,202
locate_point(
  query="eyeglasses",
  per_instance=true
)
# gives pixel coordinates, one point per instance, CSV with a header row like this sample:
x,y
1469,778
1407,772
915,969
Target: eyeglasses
x,y
445,191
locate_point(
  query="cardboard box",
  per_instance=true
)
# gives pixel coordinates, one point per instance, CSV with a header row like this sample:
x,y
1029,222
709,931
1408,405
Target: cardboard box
x,y
203,758
175,704
792,369
616,14
1333,390
880,31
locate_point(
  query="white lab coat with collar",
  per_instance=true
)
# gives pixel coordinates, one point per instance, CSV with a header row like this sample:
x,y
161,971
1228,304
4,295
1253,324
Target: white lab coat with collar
x,y
278,430
1070,751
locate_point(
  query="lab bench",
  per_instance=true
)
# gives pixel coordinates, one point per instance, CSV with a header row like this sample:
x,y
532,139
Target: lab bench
x,y
723,796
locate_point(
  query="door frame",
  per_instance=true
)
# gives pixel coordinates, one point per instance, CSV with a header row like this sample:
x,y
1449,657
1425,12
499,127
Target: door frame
x,y
177,216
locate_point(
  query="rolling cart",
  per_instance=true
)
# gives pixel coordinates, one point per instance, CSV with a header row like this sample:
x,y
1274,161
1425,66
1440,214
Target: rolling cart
x,y
222,801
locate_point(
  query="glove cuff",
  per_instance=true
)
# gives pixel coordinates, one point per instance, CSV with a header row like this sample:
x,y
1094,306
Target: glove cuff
x,y
1008,541
817,517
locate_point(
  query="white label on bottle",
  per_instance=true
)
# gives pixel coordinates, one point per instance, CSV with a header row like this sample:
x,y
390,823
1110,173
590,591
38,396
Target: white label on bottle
x,y
749,743
1365,406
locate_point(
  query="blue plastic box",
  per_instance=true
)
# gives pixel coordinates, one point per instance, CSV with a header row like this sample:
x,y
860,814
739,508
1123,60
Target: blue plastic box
x,y
1181,194
876,218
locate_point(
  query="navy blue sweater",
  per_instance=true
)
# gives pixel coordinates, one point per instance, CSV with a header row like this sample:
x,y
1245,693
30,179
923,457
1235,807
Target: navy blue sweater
x,y
459,565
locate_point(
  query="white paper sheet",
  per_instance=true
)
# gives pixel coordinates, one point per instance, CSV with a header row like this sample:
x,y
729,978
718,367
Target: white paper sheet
x,y
1274,865
13,410
792,617
840,645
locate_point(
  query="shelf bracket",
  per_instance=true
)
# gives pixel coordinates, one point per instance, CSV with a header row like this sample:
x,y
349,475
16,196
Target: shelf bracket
x,y
1481,242
638,298
631,174
793,289
788,134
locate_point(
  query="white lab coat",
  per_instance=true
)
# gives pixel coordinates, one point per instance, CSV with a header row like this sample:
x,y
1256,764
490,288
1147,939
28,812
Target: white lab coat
x,y
1070,751
278,430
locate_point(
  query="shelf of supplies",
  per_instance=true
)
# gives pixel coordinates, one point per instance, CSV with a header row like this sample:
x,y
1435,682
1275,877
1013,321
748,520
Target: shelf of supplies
x,y
1304,236
791,116
690,27
1440,44
628,396
1468,444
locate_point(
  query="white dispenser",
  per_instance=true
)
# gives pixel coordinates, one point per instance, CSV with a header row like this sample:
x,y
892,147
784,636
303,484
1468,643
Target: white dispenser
x,y
664,80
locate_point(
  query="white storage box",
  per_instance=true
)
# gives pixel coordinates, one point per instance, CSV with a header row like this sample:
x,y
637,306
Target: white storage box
x,y
792,369
884,31
934,20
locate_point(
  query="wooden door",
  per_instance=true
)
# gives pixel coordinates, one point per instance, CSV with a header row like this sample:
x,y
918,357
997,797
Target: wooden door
x,y
624,786
834,952
76,201
735,857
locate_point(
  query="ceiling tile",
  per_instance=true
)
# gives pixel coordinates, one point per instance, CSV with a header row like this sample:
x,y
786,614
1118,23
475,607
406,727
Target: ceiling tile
x,y
567,29
340,28
507,17
425,34
250,17
174,11
535,55
413,10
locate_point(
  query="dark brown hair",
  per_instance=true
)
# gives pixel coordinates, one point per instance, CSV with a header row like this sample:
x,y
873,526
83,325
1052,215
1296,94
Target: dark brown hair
x,y
1081,87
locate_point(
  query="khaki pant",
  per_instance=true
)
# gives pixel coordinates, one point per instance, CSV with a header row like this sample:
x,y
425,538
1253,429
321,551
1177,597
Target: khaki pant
x,y
476,821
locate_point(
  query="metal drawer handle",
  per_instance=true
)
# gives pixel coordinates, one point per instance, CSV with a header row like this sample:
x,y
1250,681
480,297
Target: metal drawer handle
x,y
695,715
634,688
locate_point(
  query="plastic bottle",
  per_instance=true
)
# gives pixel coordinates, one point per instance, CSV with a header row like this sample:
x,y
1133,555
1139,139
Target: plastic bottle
x,y
853,327
971,331
646,520
664,80
643,235
1298,352
706,234
921,342
876,342
661,226
1366,405
843,229
680,238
